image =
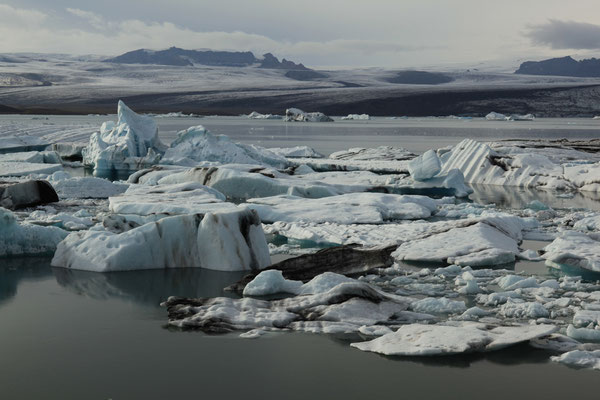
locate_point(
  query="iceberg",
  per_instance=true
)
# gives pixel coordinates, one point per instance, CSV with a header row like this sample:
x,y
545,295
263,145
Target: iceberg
x,y
579,359
297,115
494,116
231,241
131,144
17,239
196,144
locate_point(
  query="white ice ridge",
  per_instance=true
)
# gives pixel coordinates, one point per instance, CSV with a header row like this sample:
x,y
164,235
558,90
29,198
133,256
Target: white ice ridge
x,y
229,241
196,144
461,337
18,239
257,115
575,249
505,164
131,144
352,208
176,199
296,152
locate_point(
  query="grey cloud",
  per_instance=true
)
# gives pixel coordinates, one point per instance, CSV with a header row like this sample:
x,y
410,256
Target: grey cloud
x,y
566,35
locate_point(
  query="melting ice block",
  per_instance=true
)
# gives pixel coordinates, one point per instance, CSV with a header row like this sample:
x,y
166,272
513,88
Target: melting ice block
x,y
230,241
574,249
129,145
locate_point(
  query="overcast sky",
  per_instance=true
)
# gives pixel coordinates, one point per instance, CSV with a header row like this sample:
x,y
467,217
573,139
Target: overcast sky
x,y
386,33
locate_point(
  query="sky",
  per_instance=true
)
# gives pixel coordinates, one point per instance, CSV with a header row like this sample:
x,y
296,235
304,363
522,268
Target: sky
x,y
331,33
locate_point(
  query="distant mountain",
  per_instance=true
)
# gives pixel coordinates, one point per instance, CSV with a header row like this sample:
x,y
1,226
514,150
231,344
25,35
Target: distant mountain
x,y
181,57
564,66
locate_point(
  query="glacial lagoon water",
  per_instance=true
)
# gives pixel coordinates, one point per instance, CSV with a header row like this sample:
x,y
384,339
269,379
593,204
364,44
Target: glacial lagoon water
x,y
77,335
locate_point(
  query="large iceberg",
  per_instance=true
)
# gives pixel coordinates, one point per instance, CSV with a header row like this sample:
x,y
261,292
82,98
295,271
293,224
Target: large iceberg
x,y
131,144
17,239
196,144
230,241
296,114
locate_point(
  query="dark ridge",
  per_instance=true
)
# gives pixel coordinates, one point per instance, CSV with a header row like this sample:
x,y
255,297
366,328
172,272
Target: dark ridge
x,y
307,75
175,56
8,110
419,78
564,66
271,62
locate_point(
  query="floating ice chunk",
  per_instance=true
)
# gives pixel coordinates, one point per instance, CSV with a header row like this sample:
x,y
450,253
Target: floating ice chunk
x,y
555,342
356,117
438,306
537,205
271,282
253,334
530,255
519,117
66,221
591,223
531,310
430,340
18,239
450,270
374,330
13,144
493,299
343,209
296,152
425,166
16,168
86,187
575,249
324,282
222,241
583,334
584,318
579,359
512,282
177,199
474,313
129,145
196,144
471,287
381,153
295,114
476,245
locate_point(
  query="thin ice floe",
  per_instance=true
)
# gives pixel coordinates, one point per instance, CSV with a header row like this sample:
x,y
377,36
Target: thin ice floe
x,y
574,249
430,340
353,208
221,241
363,117
176,199
22,143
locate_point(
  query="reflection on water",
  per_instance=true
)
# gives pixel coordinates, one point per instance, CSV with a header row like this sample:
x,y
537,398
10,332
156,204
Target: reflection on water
x,y
514,197
149,287
15,270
